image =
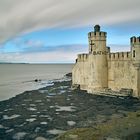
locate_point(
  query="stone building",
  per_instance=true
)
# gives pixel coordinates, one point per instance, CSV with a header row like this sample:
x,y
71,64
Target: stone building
x,y
102,70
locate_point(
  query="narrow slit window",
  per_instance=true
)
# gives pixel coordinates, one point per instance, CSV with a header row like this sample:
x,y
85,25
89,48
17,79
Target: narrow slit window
x,y
91,42
134,53
91,48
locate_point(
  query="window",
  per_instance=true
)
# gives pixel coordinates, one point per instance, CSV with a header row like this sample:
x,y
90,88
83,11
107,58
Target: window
x,y
91,48
134,53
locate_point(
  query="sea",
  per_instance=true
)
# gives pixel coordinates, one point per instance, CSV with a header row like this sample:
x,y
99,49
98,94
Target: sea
x,y
17,78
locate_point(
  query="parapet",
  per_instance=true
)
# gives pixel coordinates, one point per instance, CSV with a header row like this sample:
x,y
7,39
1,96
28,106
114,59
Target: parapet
x,y
97,34
135,40
82,57
119,56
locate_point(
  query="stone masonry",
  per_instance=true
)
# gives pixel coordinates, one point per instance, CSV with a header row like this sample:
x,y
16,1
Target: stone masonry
x,y
101,70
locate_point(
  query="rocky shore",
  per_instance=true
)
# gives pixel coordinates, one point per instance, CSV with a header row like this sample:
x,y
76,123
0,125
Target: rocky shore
x,y
58,112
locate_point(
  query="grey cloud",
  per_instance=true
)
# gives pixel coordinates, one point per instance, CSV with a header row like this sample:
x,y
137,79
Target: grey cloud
x,y
32,46
59,54
23,16
75,48
52,54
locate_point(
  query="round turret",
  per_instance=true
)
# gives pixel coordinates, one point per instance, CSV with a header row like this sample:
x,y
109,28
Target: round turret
x,y
97,28
98,58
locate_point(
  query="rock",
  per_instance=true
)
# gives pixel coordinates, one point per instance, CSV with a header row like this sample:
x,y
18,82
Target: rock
x,y
75,87
37,80
68,75
40,138
138,115
45,116
73,136
127,92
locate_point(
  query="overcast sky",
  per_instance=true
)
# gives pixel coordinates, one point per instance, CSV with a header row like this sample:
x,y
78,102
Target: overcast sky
x,y
49,31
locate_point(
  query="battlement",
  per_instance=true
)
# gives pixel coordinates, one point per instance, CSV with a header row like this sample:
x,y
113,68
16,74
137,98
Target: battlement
x,y
135,40
82,57
97,34
119,56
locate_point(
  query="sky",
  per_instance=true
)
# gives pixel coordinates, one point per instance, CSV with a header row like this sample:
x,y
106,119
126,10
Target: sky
x,y
52,31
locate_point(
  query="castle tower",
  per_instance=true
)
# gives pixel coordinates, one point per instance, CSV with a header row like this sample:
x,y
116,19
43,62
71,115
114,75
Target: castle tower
x,y
135,53
98,59
135,49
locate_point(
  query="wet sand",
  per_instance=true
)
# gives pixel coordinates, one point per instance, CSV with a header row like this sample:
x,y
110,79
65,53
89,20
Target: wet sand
x,y
50,111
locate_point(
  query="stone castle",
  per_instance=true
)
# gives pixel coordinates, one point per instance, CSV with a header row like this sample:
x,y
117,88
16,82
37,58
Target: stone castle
x,y
102,70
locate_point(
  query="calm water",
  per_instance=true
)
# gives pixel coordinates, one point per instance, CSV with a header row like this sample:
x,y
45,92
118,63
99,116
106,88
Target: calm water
x,y
17,78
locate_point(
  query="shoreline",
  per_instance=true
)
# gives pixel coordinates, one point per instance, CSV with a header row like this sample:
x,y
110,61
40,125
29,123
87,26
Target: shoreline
x,y
50,111
36,83
16,78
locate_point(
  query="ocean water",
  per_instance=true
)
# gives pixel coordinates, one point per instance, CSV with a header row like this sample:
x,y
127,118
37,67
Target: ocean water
x,y
17,78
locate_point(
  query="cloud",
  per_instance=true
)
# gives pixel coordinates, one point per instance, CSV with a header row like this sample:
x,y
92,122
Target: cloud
x,y
39,57
62,48
119,48
33,43
52,54
2,47
36,45
20,17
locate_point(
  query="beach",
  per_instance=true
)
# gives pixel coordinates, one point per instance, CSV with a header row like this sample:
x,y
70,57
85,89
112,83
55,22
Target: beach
x,y
56,111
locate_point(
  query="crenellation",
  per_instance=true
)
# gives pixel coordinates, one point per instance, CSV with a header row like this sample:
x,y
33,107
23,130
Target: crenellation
x,y
135,40
112,56
119,56
103,34
79,57
89,34
101,69
82,57
96,34
122,55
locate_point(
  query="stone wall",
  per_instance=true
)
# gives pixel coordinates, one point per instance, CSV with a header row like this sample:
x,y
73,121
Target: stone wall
x,y
122,74
80,72
138,83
